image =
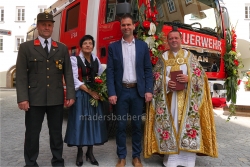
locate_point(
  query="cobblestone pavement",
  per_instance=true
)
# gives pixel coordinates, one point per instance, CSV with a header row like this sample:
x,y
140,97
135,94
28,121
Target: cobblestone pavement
x,y
233,141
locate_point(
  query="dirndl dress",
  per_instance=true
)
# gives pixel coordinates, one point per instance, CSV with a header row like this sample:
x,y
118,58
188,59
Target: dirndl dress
x,y
86,123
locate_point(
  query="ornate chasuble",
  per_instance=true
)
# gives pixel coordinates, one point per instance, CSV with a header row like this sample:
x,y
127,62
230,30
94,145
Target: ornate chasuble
x,y
195,113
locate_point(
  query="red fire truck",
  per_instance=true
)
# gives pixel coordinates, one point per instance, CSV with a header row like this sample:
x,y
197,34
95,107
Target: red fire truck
x,y
203,24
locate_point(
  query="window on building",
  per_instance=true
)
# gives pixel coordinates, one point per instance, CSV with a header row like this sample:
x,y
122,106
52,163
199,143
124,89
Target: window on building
x,y
171,6
20,13
1,43
41,9
1,14
19,40
188,2
247,11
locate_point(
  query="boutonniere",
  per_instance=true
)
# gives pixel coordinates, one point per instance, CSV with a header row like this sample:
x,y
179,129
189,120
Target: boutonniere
x,y
54,44
36,42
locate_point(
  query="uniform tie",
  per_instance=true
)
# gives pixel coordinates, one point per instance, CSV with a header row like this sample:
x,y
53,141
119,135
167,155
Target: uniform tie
x,y
46,47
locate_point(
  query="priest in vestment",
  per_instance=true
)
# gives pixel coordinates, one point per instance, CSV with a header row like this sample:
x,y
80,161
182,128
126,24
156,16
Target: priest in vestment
x,y
180,124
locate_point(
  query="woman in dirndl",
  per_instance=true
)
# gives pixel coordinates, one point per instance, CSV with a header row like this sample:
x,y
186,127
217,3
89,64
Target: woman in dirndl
x,y
86,123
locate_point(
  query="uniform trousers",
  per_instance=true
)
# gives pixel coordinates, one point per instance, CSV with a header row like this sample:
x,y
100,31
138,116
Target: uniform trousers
x,y
33,122
129,102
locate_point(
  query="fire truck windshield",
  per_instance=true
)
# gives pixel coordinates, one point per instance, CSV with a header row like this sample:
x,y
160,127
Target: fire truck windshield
x,y
201,15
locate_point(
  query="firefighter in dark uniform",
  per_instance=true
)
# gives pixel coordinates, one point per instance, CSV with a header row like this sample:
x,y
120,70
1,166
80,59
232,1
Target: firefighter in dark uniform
x,y
41,66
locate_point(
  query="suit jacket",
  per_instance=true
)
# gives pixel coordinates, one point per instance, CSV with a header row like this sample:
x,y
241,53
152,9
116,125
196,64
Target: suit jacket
x,y
39,78
115,68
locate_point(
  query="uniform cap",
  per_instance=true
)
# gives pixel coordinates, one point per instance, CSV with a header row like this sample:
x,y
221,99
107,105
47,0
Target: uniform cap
x,y
45,17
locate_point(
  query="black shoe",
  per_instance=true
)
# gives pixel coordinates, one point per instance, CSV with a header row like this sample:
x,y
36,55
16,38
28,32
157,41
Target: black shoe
x,y
90,157
79,160
79,163
35,165
93,161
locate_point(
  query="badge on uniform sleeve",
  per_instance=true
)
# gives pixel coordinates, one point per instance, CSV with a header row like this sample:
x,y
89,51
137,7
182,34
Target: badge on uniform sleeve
x,y
56,63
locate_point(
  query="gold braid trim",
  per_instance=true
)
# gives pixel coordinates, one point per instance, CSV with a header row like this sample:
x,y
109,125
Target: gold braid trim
x,y
175,63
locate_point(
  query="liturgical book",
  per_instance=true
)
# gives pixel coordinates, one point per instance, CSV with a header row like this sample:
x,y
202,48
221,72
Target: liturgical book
x,y
179,85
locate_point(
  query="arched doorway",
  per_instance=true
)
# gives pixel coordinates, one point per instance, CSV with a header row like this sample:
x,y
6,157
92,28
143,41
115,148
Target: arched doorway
x,y
11,77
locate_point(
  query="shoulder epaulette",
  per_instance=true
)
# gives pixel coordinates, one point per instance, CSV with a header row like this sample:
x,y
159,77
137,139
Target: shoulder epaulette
x,y
61,43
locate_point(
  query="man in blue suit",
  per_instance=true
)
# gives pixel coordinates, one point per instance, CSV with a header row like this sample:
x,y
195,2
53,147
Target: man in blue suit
x,y
130,84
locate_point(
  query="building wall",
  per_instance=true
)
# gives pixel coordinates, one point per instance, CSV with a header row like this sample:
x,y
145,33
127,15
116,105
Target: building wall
x,y
9,54
238,20
246,63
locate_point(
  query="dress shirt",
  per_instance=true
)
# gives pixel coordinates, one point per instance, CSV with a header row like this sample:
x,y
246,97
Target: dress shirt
x,y
43,44
128,52
73,59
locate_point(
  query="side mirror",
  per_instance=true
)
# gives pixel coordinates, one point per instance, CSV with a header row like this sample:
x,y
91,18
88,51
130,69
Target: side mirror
x,y
123,8
225,17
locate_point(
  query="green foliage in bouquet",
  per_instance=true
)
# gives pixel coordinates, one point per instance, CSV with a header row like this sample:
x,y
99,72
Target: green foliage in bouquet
x,y
232,64
100,87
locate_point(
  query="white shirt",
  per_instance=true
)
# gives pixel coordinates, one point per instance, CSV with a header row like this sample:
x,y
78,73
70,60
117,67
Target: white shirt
x,y
43,44
73,59
128,52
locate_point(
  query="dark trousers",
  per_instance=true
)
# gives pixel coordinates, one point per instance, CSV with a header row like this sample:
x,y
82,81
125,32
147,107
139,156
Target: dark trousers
x,y
33,122
129,102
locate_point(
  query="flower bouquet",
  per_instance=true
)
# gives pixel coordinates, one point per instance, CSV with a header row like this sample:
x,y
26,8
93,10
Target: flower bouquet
x,y
232,65
247,83
150,32
99,86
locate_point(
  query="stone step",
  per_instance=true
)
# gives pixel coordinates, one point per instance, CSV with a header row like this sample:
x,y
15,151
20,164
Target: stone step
x,y
241,110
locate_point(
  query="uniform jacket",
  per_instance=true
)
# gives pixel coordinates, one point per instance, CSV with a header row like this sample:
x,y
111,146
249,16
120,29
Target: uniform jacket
x,y
115,68
39,78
